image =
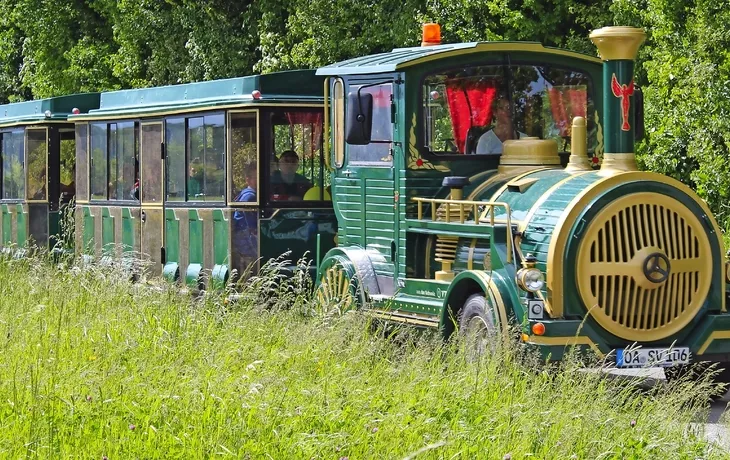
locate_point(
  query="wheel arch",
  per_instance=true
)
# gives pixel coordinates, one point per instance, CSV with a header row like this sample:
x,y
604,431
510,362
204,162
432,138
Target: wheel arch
x,y
464,285
361,264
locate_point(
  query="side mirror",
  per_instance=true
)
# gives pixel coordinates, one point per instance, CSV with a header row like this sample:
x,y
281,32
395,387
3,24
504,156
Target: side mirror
x,y
638,114
359,118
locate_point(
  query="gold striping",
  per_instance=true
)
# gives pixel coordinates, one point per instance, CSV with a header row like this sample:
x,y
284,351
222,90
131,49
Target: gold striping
x,y
715,335
472,247
572,340
544,197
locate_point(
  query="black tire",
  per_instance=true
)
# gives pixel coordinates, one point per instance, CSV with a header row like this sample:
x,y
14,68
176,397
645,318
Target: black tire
x,y
478,325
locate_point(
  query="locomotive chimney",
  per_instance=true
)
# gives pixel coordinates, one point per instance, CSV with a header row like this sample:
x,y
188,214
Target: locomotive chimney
x,y
617,47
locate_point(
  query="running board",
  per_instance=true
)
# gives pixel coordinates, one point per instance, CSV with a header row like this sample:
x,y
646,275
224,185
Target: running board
x,y
405,317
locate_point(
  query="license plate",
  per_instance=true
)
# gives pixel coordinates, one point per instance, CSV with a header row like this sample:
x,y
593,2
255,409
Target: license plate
x,y
652,357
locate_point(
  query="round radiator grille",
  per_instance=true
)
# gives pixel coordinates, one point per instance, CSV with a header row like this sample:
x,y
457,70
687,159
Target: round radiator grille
x,y
644,267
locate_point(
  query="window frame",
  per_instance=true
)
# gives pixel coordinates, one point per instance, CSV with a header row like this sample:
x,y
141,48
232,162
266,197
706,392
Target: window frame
x,y
187,202
505,59
25,164
136,127
375,81
11,130
229,159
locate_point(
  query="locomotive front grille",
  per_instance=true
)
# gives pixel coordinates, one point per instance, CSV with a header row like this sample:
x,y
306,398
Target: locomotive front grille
x,y
644,267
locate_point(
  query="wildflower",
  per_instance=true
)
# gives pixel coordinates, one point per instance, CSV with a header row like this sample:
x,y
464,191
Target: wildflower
x,y
633,423
132,427
88,398
507,457
344,458
375,429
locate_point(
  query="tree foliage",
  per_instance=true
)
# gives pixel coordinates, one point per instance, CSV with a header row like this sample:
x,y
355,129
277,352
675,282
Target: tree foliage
x,y
55,47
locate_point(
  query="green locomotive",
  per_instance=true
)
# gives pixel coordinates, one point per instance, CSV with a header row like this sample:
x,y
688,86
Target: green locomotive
x,y
37,148
197,180
482,184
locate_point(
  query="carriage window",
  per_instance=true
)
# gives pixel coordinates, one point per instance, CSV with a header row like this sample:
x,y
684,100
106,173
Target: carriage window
x,y
11,148
195,158
297,164
474,110
377,152
114,164
81,185
175,161
244,157
37,153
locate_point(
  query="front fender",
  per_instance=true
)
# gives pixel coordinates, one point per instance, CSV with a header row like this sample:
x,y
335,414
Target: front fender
x,y
362,263
471,282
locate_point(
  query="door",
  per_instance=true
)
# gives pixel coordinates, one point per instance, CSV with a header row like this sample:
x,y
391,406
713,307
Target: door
x,y
151,189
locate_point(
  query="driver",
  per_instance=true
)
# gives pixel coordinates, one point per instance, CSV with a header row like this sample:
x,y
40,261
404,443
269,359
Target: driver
x,y
287,183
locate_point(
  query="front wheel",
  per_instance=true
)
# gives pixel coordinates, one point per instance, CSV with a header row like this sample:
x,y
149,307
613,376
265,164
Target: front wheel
x,y
479,326
337,287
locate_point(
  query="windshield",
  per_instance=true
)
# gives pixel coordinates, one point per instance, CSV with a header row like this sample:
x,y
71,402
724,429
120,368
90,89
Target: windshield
x,y
473,110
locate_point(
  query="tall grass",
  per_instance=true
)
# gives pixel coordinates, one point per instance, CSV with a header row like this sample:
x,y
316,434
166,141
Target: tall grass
x,y
93,366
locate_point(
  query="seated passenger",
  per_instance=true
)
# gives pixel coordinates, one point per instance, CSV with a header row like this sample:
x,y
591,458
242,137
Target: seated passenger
x,y
287,183
245,225
502,130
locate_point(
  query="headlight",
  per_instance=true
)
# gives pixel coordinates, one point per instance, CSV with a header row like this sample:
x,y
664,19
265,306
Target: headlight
x,y
530,279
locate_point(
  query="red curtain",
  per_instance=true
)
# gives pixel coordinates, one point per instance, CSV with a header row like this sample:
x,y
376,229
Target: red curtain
x,y
315,132
470,104
565,105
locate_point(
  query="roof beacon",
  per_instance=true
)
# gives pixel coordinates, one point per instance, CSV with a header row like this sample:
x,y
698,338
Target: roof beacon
x,y
431,34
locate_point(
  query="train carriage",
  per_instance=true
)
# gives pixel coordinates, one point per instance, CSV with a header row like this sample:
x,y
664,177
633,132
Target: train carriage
x,y
200,179
37,178
479,185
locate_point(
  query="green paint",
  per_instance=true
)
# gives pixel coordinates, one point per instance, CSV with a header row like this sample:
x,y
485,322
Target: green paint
x,y
88,237
35,111
220,238
172,237
195,237
7,226
129,234
22,225
619,135
54,231
107,232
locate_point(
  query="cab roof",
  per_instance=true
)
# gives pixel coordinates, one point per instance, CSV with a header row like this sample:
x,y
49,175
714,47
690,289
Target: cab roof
x,y
401,58
52,109
291,87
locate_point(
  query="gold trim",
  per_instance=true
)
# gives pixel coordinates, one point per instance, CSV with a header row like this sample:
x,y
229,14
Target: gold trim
x,y
612,255
397,316
326,124
182,110
496,47
716,335
519,176
558,242
578,160
544,197
338,128
496,298
618,42
575,340
229,159
472,247
616,163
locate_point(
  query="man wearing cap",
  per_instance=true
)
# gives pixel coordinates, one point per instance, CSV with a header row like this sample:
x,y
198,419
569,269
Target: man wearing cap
x,y
287,183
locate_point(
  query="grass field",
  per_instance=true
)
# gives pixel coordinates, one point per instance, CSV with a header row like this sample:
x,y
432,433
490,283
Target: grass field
x,y
96,367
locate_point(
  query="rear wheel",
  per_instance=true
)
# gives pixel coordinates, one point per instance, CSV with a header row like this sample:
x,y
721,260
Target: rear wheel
x,y
478,325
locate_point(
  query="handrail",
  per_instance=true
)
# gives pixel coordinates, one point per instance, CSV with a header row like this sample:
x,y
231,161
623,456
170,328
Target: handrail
x,y
464,208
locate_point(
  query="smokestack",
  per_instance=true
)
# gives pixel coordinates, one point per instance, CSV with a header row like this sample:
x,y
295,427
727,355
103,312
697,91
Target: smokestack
x,y
618,47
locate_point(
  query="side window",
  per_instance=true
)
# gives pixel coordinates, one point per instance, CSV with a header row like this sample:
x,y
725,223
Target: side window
x,y
175,161
244,157
114,163
298,169
338,124
81,184
36,167
12,149
377,152
474,110
195,158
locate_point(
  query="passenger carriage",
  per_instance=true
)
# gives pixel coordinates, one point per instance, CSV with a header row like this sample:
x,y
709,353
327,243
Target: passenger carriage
x,y
37,170
187,179
447,221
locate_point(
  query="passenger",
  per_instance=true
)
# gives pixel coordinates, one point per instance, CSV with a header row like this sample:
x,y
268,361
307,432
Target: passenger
x,y
245,225
287,183
502,130
195,179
